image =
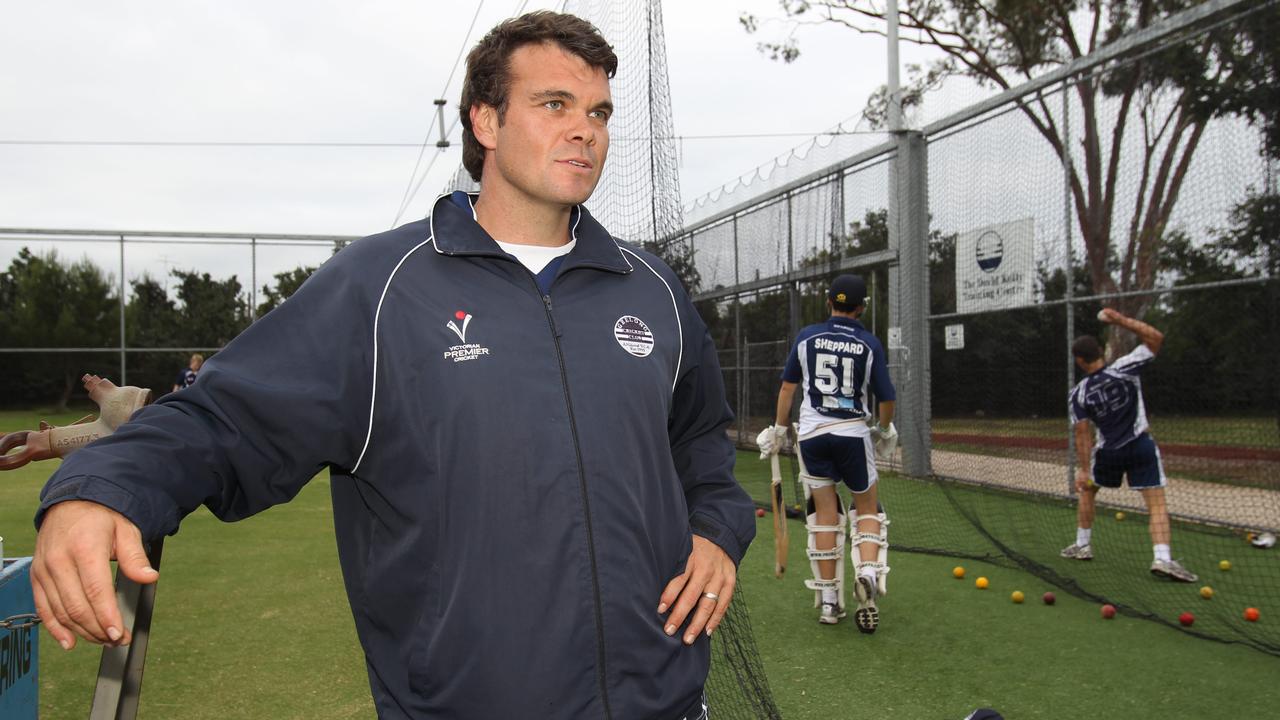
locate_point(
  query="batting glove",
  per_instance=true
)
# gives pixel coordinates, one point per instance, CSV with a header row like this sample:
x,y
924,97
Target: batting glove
x,y
772,440
886,441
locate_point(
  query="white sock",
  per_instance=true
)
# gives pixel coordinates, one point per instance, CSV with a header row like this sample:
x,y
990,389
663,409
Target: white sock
x,y
830,596
1083,535
1162,552
869,573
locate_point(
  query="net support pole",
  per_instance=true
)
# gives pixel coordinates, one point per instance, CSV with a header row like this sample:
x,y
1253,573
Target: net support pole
x,y
742,413
253,279
1069,274
793,295
894,87
124,379
909,308
793,287
746,387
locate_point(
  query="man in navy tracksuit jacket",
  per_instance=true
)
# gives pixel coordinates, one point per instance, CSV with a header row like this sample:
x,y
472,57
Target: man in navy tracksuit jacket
x,y
532,487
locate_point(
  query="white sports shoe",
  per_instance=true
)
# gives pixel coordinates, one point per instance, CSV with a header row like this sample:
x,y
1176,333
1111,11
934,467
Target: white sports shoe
x,y
1172,569
1081,552
830,614
867,615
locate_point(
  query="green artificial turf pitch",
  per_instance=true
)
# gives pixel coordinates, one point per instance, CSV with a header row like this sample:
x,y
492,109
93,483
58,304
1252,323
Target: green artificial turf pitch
x,y
252,622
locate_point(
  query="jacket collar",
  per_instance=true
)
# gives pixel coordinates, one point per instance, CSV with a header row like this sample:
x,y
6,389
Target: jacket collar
x,y
456,232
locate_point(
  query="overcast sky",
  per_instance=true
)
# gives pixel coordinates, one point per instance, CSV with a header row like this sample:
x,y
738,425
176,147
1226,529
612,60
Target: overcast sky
x,y
332,71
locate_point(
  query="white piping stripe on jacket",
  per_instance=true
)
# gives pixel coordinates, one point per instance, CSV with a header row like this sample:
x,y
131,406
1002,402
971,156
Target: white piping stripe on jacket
x,y
674,306
373,395
431,225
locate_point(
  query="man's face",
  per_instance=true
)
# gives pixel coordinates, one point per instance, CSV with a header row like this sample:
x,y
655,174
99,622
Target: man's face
x,y
552,143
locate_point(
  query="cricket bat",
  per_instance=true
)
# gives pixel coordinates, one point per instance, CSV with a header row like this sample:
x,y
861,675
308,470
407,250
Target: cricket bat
x,y
779,517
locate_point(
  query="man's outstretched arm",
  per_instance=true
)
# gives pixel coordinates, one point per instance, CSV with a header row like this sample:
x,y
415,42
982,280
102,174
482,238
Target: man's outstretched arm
x,y
270,412
1149,336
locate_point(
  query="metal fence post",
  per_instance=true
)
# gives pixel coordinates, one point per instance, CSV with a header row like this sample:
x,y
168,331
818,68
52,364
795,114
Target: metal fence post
x,y
746,386
1069,294
909,235
737,342
253,279
124,378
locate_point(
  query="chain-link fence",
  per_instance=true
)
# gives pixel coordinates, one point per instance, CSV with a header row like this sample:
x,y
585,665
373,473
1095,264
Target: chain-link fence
x,y
993,237
133,306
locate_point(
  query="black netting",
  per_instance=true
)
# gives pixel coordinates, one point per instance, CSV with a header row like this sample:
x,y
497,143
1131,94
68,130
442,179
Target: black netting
x,y
1165,214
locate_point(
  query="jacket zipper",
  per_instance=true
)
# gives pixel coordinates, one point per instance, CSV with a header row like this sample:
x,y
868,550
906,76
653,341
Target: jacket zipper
x,y
586,505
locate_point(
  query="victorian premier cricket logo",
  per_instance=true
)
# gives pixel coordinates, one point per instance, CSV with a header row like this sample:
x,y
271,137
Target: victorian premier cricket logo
x,y
465,317
465,351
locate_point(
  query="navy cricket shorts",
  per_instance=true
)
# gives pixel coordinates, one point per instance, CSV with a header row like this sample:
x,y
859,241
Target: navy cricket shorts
x,y
1138,459
841,458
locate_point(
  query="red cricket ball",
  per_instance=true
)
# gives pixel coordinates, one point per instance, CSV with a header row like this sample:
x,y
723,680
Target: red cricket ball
x,y
1049,598
1186,619
759,512
1108,611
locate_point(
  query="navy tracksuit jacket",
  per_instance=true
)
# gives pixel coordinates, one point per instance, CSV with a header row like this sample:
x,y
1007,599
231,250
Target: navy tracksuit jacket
x,y
515,475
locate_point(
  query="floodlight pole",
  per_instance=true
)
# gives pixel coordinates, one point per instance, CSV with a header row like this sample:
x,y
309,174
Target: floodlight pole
x,y
894,86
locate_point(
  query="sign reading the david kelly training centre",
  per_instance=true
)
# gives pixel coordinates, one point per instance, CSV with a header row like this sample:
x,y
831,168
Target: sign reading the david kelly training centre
x,y
994,266
19,656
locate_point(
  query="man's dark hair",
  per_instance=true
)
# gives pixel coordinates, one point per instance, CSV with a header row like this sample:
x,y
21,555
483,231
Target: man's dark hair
x,y
1086,348
844,307
488,78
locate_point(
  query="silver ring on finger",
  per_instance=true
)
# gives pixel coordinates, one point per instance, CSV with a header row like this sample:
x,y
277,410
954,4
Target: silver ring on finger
x,y
711,596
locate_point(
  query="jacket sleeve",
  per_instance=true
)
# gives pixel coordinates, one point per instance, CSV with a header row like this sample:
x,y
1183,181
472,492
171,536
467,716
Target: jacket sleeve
x,y
285,398
719,509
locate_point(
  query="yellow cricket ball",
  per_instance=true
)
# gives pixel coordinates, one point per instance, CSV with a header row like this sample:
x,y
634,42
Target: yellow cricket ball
x,y
1119,516
958,572
1224,565
1206,592
1017,596
981,583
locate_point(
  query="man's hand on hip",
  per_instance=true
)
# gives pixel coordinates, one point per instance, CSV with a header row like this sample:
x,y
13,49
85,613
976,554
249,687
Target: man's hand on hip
x,y
71,571
703,589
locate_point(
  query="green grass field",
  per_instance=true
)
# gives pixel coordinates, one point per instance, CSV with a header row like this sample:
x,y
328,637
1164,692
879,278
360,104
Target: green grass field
x,y
252,622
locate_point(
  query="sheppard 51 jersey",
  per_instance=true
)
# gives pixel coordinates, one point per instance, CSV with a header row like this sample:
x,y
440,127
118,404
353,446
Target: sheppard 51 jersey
x,y
836,362
1112,399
